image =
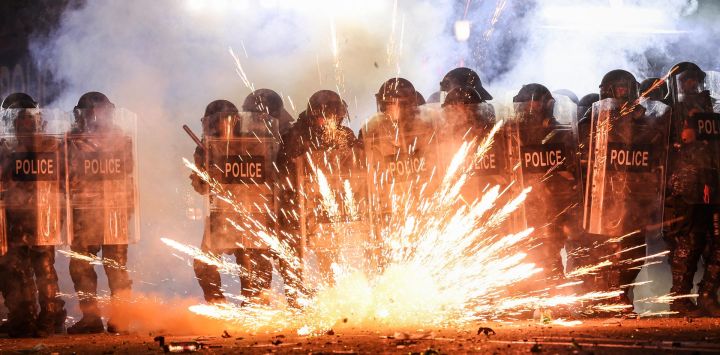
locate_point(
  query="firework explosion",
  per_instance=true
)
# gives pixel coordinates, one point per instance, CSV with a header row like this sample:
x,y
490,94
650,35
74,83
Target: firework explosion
x,y
445,262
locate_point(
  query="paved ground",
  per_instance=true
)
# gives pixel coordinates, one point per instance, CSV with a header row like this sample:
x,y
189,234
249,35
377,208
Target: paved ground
x,y
599,336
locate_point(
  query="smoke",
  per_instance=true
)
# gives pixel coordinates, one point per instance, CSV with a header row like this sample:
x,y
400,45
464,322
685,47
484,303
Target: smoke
x,y
160,313
166,60
571,45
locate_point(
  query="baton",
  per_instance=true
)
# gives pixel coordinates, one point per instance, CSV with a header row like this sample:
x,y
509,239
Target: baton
x,y
193,136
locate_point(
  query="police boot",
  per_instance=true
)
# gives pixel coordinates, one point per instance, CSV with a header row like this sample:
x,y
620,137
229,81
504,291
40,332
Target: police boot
x,y
21,320
209,279
118,323
60,321
91,323
23,330
51,319
117,326
52,313
708,299
681,285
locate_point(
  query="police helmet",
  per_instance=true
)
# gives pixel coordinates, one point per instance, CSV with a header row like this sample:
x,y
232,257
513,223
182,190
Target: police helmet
x,y
619,84
464,77
264,101
326,103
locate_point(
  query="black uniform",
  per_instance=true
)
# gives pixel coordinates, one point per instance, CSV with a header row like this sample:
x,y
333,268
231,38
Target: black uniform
x,y
401,153
626,178
694,190
225,140
101,204
318,129
31,171
549,163
467,117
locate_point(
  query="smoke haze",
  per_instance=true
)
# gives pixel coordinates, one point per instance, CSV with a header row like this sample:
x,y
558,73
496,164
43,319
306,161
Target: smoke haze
x,y
166,60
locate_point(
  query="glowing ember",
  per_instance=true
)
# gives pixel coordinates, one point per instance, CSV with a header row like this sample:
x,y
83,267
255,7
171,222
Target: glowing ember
x,y
446,262
93,259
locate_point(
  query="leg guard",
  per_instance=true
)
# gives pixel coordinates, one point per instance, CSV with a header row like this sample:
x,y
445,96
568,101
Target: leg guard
x,y
209,279
120,285
21,292
257,271
85,280
52,312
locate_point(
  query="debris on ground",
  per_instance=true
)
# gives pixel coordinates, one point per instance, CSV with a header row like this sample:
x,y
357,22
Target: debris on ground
x,y
183,347
413,336
536,348
35,349
485,330
225,334
575,344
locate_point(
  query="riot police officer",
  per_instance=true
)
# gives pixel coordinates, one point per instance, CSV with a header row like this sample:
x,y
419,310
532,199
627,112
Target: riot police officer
x,y
31,174
573,247
693,190
463,77
626,176
4,275
402,154
319,130
467,117
270,102
245,144
546,150
101,194
397,109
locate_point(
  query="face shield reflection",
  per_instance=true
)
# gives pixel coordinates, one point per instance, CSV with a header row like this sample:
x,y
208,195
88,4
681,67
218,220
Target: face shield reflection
x,y
27,121
529,111
222,125
96,119
690,82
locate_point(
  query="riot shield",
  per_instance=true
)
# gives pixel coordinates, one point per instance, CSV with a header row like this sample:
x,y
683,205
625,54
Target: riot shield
x,y
32,173
241,162
565,110
488,169
626,167
712,84
334,207
545,157
101,178
401,162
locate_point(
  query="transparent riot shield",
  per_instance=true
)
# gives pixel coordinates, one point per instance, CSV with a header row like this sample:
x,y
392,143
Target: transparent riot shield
x,y
334,208
565,110
402,172
712,84
32,173
101,177
627,166
240,158
487,169
544,156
